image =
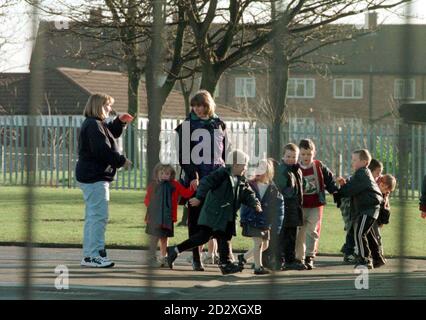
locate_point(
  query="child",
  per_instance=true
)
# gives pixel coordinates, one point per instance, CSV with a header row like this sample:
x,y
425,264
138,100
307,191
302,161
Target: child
x,y
288,178
387,184
161,200
366,199
318,178
259,225
376,168
348,249
422,205
223,191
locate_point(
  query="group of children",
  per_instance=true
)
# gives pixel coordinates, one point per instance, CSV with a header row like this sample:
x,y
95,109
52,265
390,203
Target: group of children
x,y
281,209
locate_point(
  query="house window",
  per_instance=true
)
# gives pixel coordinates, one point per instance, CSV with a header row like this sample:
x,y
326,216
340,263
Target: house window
x,y
301,88
404,88
245,87
348,88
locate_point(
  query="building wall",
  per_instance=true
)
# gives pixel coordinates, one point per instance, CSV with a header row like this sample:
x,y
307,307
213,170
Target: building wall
x,y
324,105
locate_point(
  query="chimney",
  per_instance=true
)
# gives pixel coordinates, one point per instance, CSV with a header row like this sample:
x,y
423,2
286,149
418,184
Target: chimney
x,y
370,20
95,16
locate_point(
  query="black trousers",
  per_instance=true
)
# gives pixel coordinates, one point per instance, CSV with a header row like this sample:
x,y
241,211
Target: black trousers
x,y
349,246
193,228
203,236
375,243
361,230
287,244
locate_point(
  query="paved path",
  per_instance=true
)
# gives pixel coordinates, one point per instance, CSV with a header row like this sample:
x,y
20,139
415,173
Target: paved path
x,y
132,279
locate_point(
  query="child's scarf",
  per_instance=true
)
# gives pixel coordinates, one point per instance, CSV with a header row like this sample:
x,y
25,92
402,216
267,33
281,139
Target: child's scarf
x,y
160,206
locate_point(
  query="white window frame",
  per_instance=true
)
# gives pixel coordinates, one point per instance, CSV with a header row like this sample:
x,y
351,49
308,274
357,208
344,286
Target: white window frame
x,y
304,82
242,93
397,90
348,82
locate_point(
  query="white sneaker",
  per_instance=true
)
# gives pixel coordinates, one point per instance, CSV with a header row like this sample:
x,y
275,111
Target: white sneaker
x,y
96,262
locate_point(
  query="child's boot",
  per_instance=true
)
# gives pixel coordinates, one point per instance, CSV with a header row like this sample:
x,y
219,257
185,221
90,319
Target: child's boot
x,y
171,256
260,271
197,266
229,268
241,260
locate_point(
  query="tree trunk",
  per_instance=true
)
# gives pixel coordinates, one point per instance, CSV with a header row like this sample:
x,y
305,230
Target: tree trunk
x,y
133,87
153,91
154,130
279,74
210,77
133,107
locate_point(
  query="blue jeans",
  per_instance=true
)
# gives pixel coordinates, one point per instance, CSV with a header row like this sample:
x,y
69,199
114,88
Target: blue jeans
x,y
96,197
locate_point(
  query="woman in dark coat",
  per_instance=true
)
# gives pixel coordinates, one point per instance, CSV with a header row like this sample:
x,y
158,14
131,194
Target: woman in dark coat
x,y
203,156
98,160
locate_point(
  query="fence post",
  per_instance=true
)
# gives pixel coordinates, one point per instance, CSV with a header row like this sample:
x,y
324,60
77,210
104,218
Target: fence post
x,y
36,163
70,148
2,159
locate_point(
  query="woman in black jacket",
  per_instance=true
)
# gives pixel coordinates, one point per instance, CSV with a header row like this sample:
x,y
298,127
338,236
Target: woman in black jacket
x,y
201,119
98,160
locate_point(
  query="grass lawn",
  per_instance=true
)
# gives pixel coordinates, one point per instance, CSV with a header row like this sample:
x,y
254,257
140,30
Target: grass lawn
x,y
59,218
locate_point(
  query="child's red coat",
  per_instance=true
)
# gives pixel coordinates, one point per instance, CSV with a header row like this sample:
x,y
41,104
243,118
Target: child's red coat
x,y
180,190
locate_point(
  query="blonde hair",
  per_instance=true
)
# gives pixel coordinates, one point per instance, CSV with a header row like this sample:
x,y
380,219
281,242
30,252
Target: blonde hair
x,y
204,98
389,180
268,168
95,104
163,167
363,154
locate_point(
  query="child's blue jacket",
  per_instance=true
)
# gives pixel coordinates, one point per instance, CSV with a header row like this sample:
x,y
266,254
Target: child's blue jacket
x,y
273,209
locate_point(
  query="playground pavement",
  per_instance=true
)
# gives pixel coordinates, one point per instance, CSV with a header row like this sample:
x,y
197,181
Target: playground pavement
x,y
131,279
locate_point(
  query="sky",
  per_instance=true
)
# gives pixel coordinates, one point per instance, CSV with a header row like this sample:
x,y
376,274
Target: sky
x,y
15,56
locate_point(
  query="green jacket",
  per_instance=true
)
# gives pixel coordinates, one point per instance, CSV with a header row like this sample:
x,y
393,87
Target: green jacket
x,y
220,202
289,181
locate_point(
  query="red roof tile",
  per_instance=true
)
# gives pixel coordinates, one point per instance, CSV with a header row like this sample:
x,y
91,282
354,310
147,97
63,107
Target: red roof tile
x,y
115,84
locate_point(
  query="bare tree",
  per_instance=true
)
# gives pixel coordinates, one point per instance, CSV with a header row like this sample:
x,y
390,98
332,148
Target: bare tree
x,y
12,26
132,33
233,42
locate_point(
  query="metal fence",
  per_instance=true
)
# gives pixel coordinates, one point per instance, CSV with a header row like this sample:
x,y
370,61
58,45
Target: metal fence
x,y
57,139
56,150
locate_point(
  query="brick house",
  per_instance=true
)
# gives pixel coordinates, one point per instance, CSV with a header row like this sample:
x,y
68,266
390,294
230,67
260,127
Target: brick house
x,y
67,91
367,87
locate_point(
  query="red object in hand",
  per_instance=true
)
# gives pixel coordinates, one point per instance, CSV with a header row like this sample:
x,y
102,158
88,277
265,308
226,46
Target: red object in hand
x,y
126,118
